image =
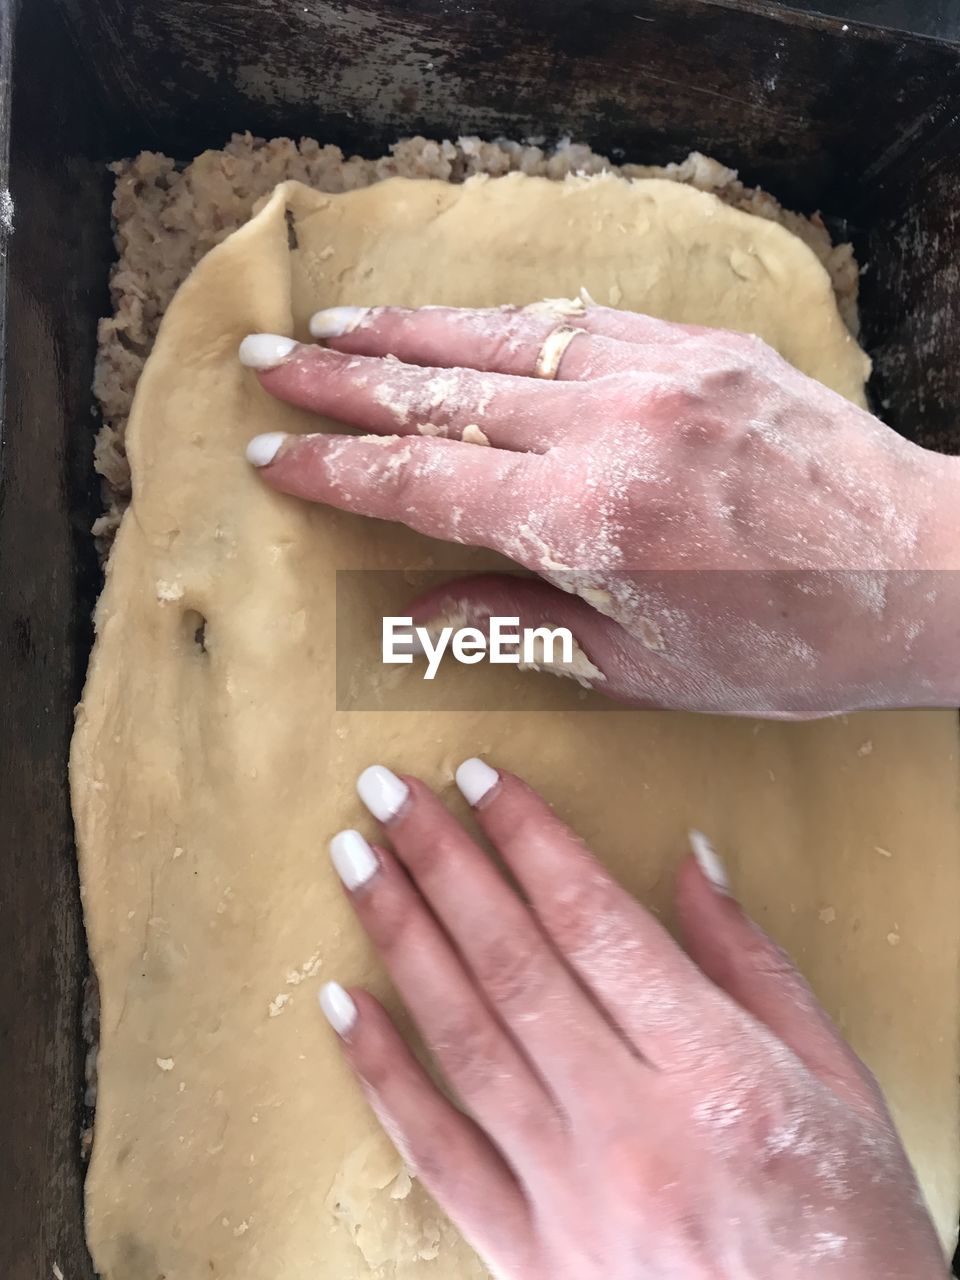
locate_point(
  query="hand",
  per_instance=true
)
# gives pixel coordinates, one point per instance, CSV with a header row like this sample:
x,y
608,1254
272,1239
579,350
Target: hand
x,y
728,534
632,1113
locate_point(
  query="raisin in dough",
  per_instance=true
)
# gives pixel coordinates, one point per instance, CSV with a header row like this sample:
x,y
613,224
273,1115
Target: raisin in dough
x,y
207,777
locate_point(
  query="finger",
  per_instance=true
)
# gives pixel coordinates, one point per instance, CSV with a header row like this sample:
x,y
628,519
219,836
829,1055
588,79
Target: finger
x,y
571,1045
603,655
530,342
441,488
639,329
648,987
484,1067
439,1145
540,610
393,398
501,339
738,956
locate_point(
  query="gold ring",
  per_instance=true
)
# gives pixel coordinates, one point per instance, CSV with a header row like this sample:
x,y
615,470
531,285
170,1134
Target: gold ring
x,y
551,353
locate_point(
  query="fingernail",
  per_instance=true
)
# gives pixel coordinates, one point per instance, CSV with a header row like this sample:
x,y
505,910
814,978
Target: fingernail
x,y
338,1008
382,792
262,450
265,350
709,861
354,860
336,321
475,779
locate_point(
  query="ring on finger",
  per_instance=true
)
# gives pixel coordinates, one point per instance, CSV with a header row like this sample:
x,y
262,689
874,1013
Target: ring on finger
x,y
552,351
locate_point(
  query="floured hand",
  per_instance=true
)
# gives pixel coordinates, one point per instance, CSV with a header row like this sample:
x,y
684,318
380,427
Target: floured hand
x,y
629,1112
719,532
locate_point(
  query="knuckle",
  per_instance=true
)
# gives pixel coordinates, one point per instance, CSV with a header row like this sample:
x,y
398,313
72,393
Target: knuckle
x,y
761,437
398,472
430,1155
754,1113
779,1115
695,416
577,911
524,489
504,343
469,1047
777,1129
441,400
701,427
430,849
394,931
726,379
764,960
512,969
393,918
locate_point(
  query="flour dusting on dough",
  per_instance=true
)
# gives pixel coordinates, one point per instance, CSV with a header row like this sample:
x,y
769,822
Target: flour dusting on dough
x,y
169,592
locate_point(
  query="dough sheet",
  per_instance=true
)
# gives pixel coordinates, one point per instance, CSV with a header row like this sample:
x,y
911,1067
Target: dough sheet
x,y
210,764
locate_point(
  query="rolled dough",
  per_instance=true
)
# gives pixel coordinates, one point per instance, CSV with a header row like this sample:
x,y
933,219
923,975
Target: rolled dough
x,y
210,764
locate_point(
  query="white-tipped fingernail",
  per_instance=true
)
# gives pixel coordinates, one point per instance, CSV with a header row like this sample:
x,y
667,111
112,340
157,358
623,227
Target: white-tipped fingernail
x,y
382,792
338,1008
709,861
475,779
262,450
354,860
265,350
336,321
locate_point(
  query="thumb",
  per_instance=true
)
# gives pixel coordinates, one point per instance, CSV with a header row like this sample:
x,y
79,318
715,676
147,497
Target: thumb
x,y
492,602
737,956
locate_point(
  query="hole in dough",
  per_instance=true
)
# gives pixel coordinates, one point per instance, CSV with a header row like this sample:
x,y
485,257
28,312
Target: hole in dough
x,y
292,239
195,625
